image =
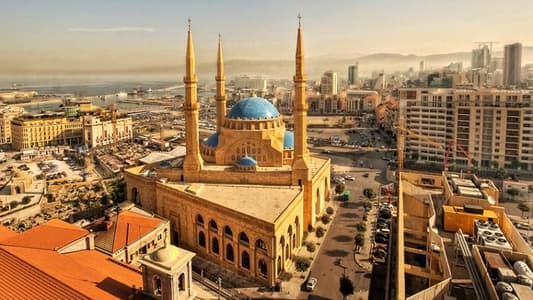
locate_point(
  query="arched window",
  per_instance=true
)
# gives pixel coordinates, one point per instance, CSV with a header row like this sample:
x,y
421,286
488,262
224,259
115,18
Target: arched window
x,y
201,239
245,260
214,245
213,225
243,238
280,267
263,268
261,244
229,252
287,251
181,282
156,283
199,220
228,232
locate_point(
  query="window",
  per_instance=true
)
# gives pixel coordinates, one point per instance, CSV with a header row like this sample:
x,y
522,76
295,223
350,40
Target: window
x,y
201,239
213,225
156,283
243,238
199,220
261,244
181,282
263,268
228,232
229,252
214,245
245,260
159,236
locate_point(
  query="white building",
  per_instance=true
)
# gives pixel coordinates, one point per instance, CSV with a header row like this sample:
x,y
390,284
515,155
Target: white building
x,y
328,83
99,132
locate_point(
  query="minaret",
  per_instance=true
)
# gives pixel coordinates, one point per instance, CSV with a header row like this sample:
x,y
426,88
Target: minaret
x,y
192,163
221,90
300,164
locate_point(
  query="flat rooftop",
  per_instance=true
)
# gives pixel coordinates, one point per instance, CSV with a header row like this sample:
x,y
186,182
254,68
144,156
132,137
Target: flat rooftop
x,y
263,202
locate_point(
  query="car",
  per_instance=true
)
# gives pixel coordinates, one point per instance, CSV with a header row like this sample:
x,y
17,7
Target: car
x,y
366,175
383,220
381,239
523,226
383,230
380,225
311,283
385,214
380,255
326,152
349,177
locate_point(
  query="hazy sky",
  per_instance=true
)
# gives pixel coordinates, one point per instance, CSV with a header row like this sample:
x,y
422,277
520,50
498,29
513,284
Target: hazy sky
x,y
109,35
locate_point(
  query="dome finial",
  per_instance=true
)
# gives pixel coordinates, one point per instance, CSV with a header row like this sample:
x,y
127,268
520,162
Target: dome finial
x,y
189,21
299,20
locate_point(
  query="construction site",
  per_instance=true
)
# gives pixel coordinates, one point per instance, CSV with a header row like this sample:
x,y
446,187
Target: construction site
x,y
454,240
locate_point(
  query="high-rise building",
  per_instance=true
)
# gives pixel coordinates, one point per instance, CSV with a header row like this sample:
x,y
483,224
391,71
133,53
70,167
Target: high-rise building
x,y
493,126
353,74
512,63
328,83
481,57
421,67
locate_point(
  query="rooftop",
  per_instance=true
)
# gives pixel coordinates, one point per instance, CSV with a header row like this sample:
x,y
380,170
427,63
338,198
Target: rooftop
x,y
51,235
125,229
262,202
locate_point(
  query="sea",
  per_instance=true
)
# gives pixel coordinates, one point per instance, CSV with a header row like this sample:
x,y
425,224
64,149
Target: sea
x,y
101,91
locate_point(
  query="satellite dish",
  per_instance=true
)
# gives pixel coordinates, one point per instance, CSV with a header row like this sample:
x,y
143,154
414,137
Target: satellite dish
x,y
491,200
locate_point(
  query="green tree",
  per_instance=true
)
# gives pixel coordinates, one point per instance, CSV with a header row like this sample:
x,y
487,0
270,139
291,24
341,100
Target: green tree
x,y
359,241
118,190
346,286
515,164
513,192
369,193
302,263
339,188
523,208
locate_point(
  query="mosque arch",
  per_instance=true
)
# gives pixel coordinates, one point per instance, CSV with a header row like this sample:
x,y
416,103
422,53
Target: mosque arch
x,y
201,239
199,220
262,266
243,239
228,232
229,253
245,260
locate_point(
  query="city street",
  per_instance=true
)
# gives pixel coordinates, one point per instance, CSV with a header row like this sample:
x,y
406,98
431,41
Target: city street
x,y
339,245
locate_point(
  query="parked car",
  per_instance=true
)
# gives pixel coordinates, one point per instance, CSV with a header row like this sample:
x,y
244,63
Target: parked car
x,y
366,175
523,226
381,239
311,283
349,177
380,255
385,214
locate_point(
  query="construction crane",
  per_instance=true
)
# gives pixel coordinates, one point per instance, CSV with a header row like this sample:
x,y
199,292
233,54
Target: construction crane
x,y
402,130
479,44
461,149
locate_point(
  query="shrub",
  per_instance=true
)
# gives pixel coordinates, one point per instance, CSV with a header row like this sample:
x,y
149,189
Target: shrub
x,y
339,188
302,263
26,199
305,235
13,204
369,193
360,240
365,218
310,228
310,247
367,205
329,210
325,219
361,227
320,232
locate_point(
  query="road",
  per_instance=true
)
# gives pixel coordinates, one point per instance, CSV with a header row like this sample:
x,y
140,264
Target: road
x,y
339,241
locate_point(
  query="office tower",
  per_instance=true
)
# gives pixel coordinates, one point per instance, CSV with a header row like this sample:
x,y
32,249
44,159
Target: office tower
x,y
512,63
421,68
353,74
328,84
481,57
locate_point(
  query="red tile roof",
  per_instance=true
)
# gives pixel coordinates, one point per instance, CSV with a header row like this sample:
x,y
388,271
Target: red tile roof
x,y
87,274
50,235
6,233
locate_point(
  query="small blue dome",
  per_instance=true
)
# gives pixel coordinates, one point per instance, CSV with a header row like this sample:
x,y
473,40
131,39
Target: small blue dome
x,y
164,163
247,161
255,108
212,140
288,140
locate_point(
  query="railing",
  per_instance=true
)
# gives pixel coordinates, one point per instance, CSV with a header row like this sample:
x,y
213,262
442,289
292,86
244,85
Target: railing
x,y
223,292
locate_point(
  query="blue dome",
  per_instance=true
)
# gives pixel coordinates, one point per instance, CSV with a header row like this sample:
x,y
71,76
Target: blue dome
x,y
212,140
247,161
254,108
288,140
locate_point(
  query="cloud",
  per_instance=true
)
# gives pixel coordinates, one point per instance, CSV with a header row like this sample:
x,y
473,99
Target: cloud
x,y
112,29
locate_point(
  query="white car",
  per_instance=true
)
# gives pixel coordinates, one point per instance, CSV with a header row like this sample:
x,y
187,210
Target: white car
x,y
349,177
311,283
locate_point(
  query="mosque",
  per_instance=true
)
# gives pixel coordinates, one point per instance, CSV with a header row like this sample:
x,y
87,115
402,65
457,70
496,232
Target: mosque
x,y
243,197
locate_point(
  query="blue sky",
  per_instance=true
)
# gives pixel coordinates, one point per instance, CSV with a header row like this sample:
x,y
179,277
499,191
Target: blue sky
x,y
113,34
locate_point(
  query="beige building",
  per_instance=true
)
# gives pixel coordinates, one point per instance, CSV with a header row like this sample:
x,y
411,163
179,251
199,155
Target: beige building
x,y
494,127
361,100
328,83
242,198
101,131
7,114
44,130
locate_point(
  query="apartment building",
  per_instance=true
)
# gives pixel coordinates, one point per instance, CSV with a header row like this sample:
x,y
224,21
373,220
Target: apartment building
x,y
492,126
7,114
46,129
